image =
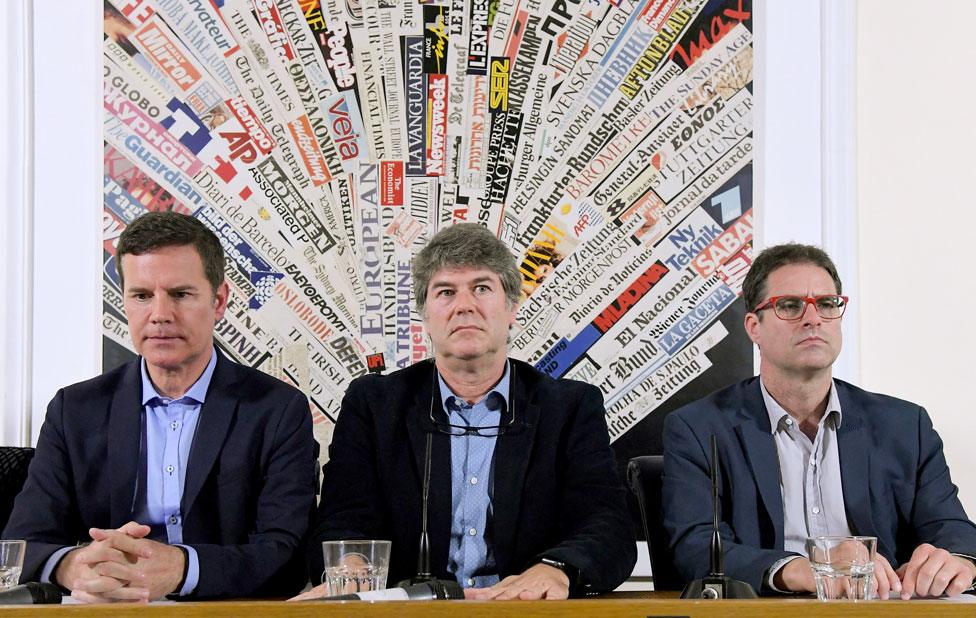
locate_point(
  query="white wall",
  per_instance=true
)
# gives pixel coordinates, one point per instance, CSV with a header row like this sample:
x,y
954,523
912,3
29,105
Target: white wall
x,y
66,332
804,166
916,217
15,230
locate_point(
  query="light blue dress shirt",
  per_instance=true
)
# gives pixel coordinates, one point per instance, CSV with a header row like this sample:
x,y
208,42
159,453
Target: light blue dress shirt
x,y
472,465
170,425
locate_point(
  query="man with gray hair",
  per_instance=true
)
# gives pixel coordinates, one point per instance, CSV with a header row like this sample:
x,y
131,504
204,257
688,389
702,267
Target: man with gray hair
x,y
524,500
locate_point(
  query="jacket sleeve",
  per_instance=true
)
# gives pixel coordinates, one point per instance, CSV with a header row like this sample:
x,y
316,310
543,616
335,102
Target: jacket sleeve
x,y
937,516
350,482
687,504
45,513
269,563
597,532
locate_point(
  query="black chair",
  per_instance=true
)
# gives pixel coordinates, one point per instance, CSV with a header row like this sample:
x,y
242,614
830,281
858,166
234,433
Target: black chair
x,y
13,472
644,477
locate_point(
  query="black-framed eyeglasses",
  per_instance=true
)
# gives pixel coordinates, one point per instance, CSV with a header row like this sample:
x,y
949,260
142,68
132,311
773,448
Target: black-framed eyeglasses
x,y
485,431
790,308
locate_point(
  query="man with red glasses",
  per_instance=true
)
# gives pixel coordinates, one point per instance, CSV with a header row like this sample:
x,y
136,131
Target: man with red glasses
x,y
802,454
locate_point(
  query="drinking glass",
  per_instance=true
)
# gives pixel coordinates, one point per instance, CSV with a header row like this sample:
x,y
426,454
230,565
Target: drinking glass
x,y
843,566
355,566
11,562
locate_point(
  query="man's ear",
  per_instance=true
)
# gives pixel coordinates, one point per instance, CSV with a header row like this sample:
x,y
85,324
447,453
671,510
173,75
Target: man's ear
x,y
751,323
220,300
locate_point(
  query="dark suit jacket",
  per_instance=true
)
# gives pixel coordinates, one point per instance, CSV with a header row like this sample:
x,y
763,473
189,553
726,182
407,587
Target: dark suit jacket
x,y
895,481
556,490
250,483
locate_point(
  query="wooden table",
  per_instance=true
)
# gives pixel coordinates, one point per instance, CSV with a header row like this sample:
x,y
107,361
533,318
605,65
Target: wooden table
x,y
615,605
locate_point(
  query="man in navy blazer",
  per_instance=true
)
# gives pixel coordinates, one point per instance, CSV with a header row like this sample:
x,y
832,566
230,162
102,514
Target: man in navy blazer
x,y
524,499
180,473
802,454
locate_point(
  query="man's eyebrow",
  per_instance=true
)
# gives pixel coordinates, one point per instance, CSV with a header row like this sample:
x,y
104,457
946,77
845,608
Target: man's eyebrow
x,y
172,290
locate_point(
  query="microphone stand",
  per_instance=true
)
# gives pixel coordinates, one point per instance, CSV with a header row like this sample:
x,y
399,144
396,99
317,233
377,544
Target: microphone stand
x,y
423,553
716,585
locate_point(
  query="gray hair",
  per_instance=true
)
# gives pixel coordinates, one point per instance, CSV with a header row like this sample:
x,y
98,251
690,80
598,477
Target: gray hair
x,y
771,258
465,244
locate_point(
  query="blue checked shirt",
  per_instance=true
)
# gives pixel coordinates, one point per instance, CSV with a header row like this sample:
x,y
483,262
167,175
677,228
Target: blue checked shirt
x,y
472,456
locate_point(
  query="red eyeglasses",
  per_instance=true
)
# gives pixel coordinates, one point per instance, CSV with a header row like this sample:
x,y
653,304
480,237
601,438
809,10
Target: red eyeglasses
x,y
789,308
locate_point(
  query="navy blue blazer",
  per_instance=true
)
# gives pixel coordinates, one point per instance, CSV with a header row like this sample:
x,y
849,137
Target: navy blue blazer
x,y
249,491
556,489
895,481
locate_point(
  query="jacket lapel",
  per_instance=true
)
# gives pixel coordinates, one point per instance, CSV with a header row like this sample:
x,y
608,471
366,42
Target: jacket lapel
x,y
854,450
439,500
125,438
756,438
212,428
513,450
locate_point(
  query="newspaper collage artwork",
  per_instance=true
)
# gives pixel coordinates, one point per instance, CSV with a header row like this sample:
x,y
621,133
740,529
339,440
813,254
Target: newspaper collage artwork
x,y
607,142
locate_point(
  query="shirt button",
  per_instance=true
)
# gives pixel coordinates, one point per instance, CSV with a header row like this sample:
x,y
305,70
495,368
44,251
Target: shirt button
x,y
173,519
471,581
816,510
169,469
174,425
474,480
789,422
472,532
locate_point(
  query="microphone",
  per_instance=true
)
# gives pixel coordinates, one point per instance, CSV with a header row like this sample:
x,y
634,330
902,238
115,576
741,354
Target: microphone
x,y
717,585
423,552
434,590
31,593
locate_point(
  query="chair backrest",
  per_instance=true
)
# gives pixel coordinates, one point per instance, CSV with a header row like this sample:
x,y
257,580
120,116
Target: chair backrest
x,y
13,472
644,477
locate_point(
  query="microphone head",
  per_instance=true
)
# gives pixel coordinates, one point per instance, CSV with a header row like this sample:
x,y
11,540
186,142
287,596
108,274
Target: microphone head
x,y
43,594
445,589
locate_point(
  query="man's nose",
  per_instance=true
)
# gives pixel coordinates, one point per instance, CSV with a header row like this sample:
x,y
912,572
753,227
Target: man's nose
x,y
464,300
162,309
810,315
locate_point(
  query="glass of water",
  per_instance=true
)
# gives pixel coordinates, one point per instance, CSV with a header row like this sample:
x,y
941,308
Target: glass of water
x,y
355,566
843,566
11,562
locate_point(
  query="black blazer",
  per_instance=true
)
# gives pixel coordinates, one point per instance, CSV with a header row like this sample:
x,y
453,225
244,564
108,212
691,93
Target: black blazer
x,y
895,481
250,483
556,489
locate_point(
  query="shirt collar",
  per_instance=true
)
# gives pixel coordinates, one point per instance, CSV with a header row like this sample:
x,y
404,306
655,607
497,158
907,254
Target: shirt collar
x,y
501,388
777,413
197,392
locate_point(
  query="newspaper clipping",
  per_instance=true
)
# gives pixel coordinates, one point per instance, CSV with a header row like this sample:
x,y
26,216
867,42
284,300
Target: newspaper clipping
x,y
608,143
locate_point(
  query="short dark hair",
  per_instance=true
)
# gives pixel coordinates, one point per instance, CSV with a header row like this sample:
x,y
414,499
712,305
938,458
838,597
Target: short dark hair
x,y
158,229
465,244
771,258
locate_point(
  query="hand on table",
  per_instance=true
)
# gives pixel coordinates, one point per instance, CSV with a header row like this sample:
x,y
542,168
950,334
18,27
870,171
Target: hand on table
x,y
886,582
351,563
932,572
540,581
122,565
81,570
317,592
